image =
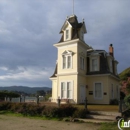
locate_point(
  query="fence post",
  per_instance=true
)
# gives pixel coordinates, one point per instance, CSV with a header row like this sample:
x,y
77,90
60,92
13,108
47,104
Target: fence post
x,y
37,99
20,98
120,106
58,101
85,103
23,98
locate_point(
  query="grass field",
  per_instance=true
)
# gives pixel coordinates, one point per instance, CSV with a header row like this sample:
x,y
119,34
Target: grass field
x,y
112,108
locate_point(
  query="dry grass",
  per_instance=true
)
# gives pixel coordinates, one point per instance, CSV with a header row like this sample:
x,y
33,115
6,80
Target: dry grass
x,y
112,108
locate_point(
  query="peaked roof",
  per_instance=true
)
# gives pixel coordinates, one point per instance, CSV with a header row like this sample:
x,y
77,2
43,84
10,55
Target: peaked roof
x,y
73,22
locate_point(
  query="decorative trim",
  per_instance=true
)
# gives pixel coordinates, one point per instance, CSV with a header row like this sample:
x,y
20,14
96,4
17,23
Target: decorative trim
x,y
64,74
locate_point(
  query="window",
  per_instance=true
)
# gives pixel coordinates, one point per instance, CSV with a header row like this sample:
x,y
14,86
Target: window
x,y
67,34
69,91
64,61
67,59
82,63
66,90
94,65
69,62
63,90
112,91
98,91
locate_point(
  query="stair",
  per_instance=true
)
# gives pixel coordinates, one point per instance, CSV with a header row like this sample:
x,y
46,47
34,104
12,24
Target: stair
x,y
103,116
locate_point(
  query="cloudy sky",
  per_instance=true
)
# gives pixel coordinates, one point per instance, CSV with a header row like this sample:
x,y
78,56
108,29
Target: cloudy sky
x,y
29,28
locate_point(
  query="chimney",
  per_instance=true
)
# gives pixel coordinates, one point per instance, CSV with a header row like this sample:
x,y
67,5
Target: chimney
x,y
111,50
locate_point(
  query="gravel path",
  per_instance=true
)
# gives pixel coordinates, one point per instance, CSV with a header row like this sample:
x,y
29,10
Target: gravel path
x,y
23,123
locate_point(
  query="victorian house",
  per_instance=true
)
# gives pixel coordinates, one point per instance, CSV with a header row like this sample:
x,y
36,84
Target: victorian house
x,y
82,71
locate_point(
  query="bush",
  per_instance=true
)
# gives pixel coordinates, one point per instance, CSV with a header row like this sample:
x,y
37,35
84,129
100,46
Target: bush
x,y
62,111
36,110
5,106
80,113
114,102
127,100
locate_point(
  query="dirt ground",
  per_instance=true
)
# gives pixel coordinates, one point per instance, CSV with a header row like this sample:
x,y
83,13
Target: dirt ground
x,y
23,123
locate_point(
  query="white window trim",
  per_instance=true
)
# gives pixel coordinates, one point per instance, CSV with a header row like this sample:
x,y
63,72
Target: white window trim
x,y
69,34
65,81
71,58
97,58
101,90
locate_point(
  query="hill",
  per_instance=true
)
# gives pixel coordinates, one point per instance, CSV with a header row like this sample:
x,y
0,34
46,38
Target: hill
x,y
29,90
125,74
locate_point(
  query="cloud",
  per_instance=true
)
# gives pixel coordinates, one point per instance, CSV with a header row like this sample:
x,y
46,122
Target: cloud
x,y
29,28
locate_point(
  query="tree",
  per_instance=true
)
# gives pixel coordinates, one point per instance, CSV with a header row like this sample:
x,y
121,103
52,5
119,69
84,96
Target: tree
x,y
4,94
125,86
41,93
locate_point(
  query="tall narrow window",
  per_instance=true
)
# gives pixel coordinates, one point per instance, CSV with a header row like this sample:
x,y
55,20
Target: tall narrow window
x,y
69,62
63,90
64,61
94,65
66,90
69,90
98,90
67,34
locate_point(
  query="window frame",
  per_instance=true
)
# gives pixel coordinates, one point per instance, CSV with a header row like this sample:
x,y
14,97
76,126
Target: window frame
x,y
68,62
98,61
101,97
66,90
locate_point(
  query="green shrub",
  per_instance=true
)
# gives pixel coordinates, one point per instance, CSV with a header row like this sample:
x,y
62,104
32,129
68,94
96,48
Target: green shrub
x,y
36,110
5,106
127,100
80,113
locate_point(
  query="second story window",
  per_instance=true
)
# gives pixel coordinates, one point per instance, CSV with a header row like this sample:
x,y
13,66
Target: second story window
x,y
67,60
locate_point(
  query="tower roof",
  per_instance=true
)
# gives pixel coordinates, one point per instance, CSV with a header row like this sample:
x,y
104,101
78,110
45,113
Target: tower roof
x,y
76,26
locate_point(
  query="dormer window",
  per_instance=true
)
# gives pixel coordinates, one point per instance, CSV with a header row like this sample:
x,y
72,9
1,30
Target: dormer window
x,y
67,34
94,63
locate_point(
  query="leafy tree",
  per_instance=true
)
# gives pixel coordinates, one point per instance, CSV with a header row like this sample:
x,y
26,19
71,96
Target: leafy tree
x,y
41,93
125,86
4,94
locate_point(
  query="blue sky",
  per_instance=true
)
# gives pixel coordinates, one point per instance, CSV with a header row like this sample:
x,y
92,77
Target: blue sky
x,y
29,28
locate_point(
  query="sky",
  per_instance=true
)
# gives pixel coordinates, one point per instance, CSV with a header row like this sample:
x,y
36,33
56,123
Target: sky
x,y
29,28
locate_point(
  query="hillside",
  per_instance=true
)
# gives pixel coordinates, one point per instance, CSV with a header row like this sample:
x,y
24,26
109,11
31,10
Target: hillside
x,y
29,90
125,74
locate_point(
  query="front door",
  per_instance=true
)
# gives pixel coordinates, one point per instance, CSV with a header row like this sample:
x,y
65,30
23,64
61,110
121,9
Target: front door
x,y
82,93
